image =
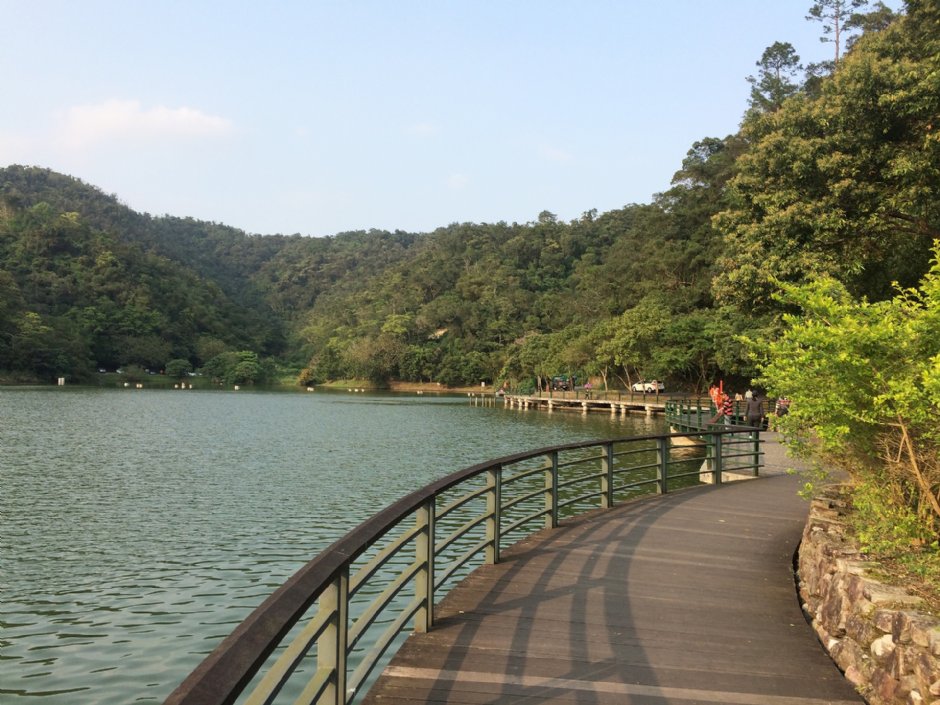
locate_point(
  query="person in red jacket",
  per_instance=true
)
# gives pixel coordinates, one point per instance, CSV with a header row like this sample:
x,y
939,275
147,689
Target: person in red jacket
x,y
724,408
727,409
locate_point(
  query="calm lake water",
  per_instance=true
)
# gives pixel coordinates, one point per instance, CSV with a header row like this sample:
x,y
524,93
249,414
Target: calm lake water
x,y
137,528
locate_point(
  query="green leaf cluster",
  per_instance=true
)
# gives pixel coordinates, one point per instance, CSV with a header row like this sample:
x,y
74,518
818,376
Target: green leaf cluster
x,y
864,378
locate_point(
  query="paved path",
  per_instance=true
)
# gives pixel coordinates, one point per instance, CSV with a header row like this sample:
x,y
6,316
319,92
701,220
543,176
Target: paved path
x,y
680,599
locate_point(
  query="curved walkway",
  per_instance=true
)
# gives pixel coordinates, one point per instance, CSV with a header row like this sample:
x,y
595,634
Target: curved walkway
x,y
684,598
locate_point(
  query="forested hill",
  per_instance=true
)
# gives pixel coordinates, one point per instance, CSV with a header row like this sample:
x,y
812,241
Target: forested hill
x,y
835,171
105,286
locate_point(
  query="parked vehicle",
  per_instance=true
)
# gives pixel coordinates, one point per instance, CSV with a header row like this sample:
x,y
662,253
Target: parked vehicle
x,y
649,387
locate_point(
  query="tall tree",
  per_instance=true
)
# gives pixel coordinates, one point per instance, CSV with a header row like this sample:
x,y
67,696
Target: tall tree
x,y
844,184
774,82
835,15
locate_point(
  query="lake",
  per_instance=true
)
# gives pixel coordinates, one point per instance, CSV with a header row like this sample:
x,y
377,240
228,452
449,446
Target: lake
x,y
139,527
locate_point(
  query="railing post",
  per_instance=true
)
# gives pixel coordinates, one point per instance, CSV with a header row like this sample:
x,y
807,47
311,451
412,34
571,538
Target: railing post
x,y
662,462
331,646
607,479
424,579
755,437
494,501
551,491
716,460
708,465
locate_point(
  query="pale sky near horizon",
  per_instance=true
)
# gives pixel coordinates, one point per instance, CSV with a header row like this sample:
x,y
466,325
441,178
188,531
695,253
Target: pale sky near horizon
x,y
320,117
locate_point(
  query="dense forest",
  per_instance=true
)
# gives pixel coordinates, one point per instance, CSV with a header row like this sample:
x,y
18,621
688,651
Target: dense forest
x,y
835,170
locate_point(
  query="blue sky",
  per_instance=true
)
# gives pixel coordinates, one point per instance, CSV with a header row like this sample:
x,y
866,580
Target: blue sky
x,y
319,117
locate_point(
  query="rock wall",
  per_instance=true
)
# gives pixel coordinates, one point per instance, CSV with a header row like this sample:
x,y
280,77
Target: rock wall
x,y
874,632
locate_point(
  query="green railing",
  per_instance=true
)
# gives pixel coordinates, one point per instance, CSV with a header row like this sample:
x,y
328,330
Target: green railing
x,y
741,450
323,635
694,413
689,413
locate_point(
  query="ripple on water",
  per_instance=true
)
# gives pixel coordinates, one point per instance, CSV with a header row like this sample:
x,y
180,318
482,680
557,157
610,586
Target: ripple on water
x,y
143,527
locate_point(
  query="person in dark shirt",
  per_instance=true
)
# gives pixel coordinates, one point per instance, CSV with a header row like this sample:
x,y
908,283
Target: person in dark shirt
x,y
754,411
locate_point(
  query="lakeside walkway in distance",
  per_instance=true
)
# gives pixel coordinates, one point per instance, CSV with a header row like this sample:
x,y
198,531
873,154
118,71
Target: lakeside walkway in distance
x,y
678,599
611,402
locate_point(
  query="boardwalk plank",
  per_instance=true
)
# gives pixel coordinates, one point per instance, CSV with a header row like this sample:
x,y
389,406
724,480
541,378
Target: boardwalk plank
x,y
564,691
684,598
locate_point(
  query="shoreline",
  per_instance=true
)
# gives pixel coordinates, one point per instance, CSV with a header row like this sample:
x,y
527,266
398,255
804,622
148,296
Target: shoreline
x,y
163,382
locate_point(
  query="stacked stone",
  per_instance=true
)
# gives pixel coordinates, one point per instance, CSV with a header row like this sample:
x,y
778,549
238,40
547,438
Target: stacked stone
x,y
874,632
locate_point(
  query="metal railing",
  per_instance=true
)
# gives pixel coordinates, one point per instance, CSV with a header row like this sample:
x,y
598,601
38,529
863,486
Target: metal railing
x,y
322,636
694,413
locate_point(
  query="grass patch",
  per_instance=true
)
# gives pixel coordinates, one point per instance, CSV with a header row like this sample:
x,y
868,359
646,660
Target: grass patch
x,y
891,533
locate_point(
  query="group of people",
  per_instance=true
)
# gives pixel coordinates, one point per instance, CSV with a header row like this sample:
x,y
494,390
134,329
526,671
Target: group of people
x,y
754,410
724,405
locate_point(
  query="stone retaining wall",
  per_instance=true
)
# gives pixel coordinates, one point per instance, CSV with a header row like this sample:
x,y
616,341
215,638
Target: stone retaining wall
x,y
874,632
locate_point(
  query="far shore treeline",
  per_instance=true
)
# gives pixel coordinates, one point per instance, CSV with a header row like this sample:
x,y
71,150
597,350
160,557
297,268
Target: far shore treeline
x,y
835,171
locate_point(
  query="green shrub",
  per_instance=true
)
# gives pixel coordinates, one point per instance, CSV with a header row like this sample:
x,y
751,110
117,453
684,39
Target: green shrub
x,y
864,380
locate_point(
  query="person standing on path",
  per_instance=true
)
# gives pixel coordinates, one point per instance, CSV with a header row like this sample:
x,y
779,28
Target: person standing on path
x,y
754,411
727,409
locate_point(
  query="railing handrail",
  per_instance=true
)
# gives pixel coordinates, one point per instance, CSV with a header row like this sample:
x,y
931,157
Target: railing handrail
x,y
231,666
674,412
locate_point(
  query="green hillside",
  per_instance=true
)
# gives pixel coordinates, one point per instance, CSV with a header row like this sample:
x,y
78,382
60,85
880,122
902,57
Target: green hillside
x,y
835,171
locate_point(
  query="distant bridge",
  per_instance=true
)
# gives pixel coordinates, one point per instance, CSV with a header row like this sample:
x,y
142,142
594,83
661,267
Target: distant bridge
x,y
684,414
610,402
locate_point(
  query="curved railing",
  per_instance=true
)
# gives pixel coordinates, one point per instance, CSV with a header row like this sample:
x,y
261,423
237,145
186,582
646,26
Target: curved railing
x,y
690,414
321,636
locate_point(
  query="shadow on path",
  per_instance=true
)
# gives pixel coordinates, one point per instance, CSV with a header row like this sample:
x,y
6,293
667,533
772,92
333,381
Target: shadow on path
x,y
683,598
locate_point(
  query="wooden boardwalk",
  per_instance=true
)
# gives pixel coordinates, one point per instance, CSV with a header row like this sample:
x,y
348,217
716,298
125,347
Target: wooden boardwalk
x,y
680,599
579,401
